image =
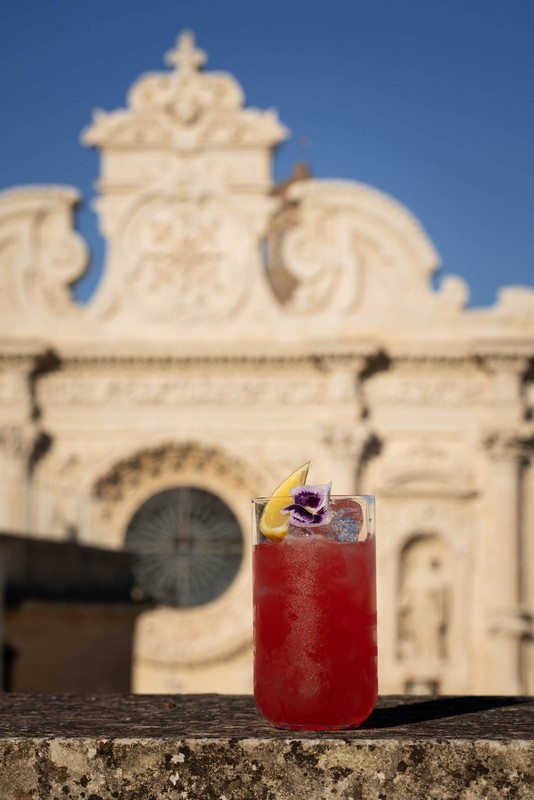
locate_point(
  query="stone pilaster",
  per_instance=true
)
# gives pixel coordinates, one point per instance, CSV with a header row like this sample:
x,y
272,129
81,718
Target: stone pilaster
x,y
345,446
503,552
16,444
345,436
506,387
17,433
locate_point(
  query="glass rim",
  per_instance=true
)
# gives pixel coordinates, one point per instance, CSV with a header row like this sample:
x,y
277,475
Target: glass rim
x,y
366,497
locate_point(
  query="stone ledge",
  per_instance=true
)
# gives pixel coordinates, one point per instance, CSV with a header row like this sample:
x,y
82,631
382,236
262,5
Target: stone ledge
x,y
216,747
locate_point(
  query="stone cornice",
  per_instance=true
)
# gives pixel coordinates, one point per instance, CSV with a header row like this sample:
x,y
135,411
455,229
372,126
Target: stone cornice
x,y
26,194
465,345
320,355
21,353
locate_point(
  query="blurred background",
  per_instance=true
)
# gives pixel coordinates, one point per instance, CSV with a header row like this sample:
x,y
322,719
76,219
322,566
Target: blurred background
x,y
291,234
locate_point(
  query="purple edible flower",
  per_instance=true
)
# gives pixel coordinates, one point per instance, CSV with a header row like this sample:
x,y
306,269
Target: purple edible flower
x,y
311,506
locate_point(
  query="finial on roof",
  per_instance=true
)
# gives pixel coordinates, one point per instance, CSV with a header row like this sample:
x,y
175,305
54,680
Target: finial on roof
x,y
186,57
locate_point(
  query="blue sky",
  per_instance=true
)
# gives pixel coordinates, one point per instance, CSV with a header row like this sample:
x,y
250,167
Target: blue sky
x,y
430,101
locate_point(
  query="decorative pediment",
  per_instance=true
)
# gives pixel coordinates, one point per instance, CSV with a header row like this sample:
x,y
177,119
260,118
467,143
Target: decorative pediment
x,y
200,246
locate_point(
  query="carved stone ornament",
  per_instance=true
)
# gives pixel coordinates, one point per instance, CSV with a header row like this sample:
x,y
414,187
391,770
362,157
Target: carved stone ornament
x,y
186,108
346,442
40,254
170,460
426,468
428,386
184,265
175,390
350,247
510,444
16,442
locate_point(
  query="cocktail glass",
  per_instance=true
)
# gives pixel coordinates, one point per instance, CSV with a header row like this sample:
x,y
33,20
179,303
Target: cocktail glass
x,y
315,650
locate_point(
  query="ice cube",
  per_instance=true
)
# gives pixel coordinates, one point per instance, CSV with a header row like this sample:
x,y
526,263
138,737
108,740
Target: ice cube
x,y
314,533
346,522
296,532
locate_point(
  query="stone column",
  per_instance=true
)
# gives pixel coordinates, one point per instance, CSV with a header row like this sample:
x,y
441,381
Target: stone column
x,y
507,622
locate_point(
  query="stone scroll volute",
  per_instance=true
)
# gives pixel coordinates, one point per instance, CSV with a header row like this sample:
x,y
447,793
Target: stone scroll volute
x,y
40,255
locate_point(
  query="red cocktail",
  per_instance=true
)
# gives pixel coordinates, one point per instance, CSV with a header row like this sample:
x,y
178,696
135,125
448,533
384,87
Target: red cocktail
x,y
315,656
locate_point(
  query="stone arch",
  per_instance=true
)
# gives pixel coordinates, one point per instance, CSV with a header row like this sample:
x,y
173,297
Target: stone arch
x,y
133,479
174,638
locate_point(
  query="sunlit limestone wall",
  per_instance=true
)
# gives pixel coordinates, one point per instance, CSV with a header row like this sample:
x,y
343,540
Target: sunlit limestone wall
x,y
239,332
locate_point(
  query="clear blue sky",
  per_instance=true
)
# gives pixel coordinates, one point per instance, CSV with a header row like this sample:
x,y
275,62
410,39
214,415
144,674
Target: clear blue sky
x,y
430,101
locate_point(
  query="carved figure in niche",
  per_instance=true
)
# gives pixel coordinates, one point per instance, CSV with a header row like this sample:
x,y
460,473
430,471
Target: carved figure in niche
x,y
424,601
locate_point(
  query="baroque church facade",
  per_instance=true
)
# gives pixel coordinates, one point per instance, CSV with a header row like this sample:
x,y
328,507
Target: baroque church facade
x,y
238,332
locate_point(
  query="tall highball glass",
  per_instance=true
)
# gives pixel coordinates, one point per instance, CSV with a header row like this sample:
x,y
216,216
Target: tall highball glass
x,y
315,648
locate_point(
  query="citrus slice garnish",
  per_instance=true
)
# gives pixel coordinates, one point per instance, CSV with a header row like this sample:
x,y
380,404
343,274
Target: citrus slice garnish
x,y
273,523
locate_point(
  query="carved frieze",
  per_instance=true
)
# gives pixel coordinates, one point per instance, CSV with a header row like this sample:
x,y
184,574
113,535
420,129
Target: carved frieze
x,y
147,390
440,387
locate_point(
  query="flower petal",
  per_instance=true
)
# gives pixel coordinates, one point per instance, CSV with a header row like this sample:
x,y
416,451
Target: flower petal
x,y
300,516
311,506
312,496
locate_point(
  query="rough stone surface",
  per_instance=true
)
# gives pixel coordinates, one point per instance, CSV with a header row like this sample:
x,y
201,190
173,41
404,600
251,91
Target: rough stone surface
x,y
215,747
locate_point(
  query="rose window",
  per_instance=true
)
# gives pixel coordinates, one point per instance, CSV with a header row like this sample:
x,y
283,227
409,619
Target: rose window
x,y
188,546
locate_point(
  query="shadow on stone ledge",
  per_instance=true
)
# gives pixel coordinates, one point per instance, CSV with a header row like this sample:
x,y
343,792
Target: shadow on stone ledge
x,y
396,712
